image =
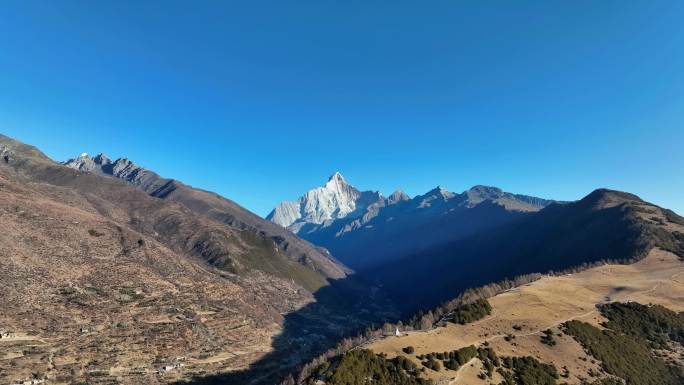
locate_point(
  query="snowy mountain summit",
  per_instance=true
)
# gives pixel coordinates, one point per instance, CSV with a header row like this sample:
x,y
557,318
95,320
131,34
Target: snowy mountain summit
x,y
334,200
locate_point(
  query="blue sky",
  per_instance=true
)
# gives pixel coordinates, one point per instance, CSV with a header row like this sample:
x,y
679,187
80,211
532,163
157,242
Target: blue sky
x,y
262,100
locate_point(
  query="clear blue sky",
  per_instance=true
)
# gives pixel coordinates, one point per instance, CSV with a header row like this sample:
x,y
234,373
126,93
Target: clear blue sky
x,y
262,100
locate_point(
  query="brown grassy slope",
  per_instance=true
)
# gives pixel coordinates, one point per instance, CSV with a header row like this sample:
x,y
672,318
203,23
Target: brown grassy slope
x,y
223,210
228,212
175,225
91,295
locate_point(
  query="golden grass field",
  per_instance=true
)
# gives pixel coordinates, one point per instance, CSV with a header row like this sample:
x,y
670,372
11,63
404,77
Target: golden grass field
x,y
544,304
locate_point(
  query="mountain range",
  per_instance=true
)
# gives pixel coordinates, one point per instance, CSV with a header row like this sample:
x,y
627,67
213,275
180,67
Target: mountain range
x,y
114,274
445,242
604,226
365,229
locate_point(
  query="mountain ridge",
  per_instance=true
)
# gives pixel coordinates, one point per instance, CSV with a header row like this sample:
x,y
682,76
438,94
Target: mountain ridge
x,y
605,225
401,224
108,254
213,206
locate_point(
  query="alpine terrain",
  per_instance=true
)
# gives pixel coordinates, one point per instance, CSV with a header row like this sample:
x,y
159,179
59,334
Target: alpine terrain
x,y
609,309
113,274
510,211
365,229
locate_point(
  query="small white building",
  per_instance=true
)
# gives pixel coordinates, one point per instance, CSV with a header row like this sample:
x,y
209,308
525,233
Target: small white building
x,y
168,368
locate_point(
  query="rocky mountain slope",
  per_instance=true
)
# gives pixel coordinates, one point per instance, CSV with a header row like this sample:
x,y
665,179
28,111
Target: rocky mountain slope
x,y
217,208
104,283
366,229
605,225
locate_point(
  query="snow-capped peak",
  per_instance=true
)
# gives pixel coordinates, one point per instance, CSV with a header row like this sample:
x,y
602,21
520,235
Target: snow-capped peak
x,y
336,199
336,176
336,181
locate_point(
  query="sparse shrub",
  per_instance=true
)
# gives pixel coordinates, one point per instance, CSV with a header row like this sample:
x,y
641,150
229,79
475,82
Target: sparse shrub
x,y
97,290
547,338
67,291
433,364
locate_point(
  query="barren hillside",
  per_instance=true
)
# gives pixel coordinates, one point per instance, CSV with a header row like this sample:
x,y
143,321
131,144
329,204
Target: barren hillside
x,y
104,283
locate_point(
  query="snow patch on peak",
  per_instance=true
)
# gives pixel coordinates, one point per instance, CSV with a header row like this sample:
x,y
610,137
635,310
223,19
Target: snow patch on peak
x,y
337,176
336,182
